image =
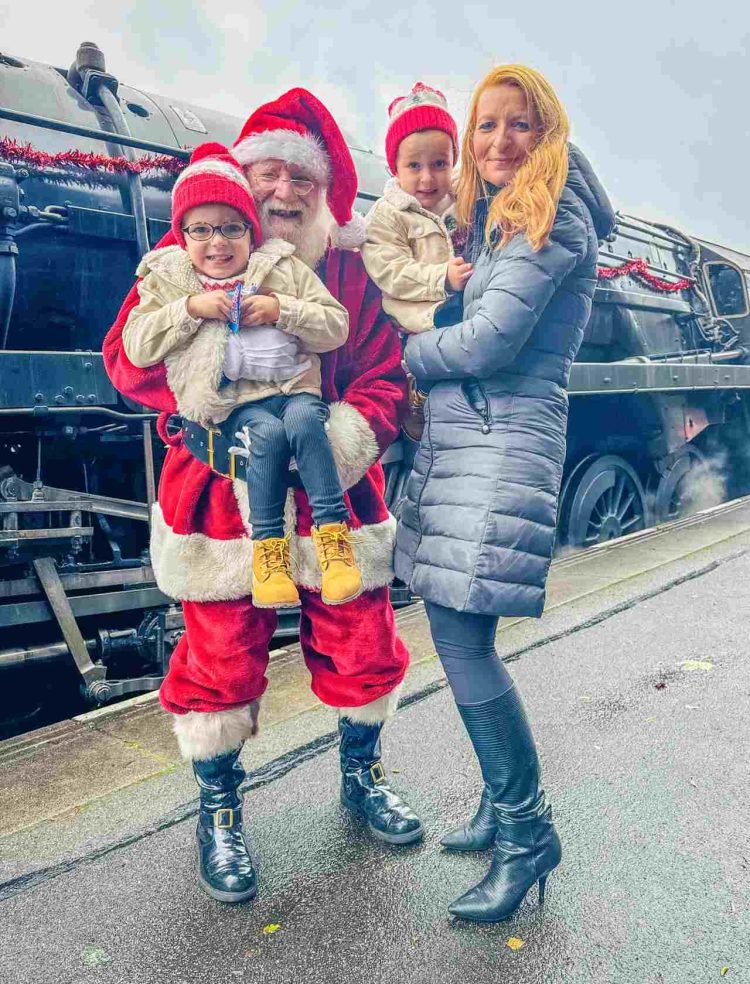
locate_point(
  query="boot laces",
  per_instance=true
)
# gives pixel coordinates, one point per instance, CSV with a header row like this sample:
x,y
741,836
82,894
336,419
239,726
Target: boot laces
x,y
273,557
335,545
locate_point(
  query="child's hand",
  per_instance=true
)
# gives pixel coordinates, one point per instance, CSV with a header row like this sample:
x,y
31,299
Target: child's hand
x,y
458,273
259,310
215,304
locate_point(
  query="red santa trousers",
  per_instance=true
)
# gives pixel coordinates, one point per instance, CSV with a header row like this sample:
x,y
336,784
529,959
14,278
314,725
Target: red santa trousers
x,y
352,652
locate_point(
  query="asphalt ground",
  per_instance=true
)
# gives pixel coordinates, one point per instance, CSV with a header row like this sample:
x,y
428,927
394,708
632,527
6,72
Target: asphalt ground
x,y
640,707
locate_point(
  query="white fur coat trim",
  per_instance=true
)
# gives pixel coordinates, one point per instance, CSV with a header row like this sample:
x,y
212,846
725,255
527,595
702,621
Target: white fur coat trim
x,y
395,195
355,447
207,735
195,567
377,711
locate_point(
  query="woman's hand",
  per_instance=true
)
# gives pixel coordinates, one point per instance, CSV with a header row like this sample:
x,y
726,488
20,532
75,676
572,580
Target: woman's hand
x,y
215,305
259,310
458,273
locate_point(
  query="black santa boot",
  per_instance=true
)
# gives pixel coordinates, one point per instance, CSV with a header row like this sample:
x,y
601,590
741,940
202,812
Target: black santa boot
x,y
364,788
527,847
225,869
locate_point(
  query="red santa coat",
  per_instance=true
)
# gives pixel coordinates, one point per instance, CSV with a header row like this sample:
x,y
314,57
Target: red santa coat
x,y
200,544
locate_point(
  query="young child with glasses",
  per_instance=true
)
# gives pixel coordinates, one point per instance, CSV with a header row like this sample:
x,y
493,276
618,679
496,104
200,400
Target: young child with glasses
x,y
262,382
408,251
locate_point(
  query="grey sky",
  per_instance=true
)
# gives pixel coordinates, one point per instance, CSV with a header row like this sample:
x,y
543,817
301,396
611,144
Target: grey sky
x,y
657,91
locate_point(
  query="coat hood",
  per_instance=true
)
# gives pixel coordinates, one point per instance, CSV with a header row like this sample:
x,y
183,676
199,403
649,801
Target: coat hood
x,y
586,186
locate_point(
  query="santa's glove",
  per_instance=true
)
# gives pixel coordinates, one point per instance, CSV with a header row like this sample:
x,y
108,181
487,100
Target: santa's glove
x,y
243,449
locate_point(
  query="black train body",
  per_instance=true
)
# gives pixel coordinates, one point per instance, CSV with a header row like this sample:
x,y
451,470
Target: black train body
x,y
658,394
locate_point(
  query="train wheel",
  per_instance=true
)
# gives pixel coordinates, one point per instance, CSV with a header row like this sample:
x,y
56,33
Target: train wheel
x,y
689,484
603,499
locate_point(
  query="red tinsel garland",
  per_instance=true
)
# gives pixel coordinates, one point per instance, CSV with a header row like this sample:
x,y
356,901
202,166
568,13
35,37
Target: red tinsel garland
x,y
638,269
20,154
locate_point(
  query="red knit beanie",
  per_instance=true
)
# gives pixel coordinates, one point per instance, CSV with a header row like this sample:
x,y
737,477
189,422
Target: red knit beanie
x,y
423,109
213,177
298,129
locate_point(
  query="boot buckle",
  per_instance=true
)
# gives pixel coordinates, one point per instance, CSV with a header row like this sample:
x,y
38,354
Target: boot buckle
x,y
377,773
224,819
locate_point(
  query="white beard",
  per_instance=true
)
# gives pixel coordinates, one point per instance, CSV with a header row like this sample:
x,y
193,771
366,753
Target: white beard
x,y
310,238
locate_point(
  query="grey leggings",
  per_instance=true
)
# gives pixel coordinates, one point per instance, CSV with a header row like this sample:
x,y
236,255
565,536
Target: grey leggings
x,y
465,643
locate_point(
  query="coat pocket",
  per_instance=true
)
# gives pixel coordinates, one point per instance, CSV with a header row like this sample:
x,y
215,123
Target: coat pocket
x,y
478,402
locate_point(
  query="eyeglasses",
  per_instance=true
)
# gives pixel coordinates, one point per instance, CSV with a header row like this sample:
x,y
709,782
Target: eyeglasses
x,y
268,180
201,232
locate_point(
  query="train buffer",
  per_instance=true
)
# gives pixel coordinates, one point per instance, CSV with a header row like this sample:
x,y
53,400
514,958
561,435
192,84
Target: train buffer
x,y
636,680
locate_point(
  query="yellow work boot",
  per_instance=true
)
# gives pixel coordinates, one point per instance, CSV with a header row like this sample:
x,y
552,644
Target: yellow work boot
x,y
273,586
342,580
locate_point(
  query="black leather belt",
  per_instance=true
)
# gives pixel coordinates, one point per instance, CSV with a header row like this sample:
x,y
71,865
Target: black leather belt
x,y
210,447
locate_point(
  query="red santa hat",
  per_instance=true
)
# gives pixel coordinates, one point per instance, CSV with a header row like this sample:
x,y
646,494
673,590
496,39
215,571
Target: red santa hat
x,y
298,129
213,176
423,109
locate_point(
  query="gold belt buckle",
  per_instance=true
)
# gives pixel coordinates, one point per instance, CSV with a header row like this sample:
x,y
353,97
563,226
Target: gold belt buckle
x,y
221,822
377,772
232,463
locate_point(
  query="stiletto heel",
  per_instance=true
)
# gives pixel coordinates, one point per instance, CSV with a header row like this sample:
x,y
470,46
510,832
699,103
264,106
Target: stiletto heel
x,y
542,886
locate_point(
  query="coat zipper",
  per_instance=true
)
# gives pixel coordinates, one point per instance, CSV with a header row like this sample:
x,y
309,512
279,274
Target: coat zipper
x,y
427,474
484,411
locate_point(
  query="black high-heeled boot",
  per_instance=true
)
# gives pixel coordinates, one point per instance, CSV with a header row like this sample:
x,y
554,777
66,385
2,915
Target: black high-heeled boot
x,y
476,835
225,869
365,790
527,847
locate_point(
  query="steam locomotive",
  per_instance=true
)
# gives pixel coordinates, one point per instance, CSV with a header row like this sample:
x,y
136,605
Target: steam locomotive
x,y
658,393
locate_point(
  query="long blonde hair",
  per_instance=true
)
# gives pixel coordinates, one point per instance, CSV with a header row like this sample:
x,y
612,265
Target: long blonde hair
x,y
528,203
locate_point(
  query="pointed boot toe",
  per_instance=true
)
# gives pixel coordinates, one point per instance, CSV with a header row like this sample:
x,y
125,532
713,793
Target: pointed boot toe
x,y
476,835
466,838
466,906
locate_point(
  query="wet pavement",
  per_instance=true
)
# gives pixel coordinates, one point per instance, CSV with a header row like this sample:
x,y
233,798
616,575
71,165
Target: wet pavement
x,y
639,695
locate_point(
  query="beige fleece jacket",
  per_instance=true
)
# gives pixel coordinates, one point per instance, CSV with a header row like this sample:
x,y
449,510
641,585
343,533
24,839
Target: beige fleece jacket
x,y
406,253
159,329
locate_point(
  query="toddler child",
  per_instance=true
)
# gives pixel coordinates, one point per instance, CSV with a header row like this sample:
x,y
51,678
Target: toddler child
x,y
408,251
262,381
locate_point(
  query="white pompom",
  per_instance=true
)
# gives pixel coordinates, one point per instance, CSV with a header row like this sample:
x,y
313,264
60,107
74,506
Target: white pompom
x,y
351,235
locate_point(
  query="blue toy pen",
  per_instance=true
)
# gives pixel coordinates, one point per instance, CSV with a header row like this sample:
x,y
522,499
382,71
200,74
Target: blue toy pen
x,y
234,314
237,294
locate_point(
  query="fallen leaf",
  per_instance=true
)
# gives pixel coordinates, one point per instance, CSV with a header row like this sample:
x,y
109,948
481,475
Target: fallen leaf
x,y
251,953
651,720
271,928
94,956
514,943
396,770
586,697
661,685
724,971
697,664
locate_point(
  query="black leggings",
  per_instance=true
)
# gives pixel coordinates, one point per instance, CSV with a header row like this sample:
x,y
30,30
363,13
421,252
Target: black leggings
x,y
465,643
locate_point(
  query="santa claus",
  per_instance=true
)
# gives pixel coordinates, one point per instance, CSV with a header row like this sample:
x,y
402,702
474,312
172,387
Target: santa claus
x,y
303,180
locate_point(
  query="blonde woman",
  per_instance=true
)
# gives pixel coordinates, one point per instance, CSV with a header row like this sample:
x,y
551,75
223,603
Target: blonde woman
x,y
478,524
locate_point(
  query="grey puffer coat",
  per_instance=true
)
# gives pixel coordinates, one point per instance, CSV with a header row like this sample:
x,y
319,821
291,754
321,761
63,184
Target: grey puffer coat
x,y
478,522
